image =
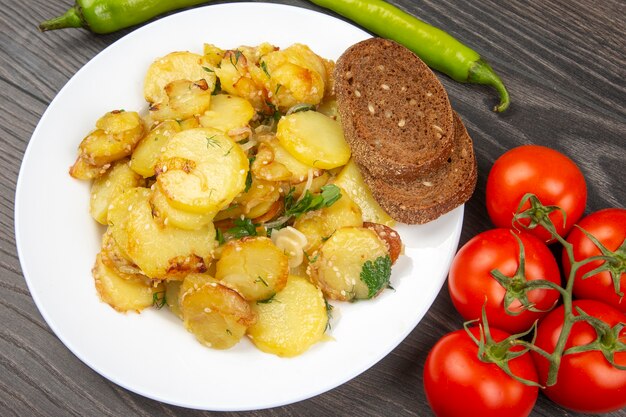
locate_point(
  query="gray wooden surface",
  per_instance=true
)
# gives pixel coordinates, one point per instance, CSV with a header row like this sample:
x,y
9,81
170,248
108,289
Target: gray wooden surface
x,y
564,63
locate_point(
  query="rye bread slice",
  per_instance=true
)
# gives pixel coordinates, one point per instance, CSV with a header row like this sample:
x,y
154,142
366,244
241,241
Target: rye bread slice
x,y
426,198
395,113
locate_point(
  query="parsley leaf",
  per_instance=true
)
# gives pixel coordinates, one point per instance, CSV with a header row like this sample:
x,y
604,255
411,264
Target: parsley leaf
x,y
158,299
249,176
309,202
243,227
376,274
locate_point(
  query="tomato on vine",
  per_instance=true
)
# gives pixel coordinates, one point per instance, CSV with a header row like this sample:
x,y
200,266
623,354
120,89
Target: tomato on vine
x,y
548,174
608,283
457,381
472,285
587,381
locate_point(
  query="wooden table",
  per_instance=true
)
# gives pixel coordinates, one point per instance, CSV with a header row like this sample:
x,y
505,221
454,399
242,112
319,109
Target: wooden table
x,y
564,64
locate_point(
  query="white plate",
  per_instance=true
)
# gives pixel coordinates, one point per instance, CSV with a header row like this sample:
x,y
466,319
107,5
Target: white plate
x,y
151,353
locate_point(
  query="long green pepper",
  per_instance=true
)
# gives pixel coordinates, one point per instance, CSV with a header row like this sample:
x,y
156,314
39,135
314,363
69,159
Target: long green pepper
x,y
106,16
436,48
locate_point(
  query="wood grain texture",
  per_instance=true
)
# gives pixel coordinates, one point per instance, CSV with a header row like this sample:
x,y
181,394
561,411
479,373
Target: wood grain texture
x,y
564,62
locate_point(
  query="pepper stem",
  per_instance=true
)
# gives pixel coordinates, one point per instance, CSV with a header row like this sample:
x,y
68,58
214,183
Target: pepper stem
x,y
70,19
481,73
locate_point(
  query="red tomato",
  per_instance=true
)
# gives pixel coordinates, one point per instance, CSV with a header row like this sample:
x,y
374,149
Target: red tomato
x,y
472,286
609,227
586,382
457,383
551,176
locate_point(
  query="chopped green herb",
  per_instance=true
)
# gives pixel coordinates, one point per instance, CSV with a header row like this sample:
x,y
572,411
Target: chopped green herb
x,y
219,236
264,68
277,88
214,143
268,300
329,314
158,299
207,69
261,280
238,55
229,332
309,259
228,151
309,202
218,87
249,176
376,274
243,227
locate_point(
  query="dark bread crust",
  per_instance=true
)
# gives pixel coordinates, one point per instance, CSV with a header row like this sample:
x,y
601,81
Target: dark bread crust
x,y
426,198
394,111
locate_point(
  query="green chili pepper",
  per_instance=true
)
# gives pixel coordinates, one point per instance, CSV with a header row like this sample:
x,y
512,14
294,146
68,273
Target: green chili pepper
x,y
106,16
438,49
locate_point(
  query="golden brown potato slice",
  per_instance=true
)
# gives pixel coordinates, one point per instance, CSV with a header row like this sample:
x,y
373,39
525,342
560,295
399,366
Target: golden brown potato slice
x,y
227,113
319,225
83,170
299,171
114,257
352,264
296,75
217,315
253,266
176,66
351,180
202,171
292,321
184,99
106,187
123,294
168,215
148,150
313,139
159,251
116,135
255,202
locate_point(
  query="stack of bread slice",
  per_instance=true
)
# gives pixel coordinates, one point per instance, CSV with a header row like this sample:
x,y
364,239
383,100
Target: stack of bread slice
x,y
412,148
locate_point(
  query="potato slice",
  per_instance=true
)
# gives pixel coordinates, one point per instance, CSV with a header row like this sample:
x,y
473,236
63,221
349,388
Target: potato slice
x,y
171,216
296,75
217,315
176,66
292,321
319,225
184,99
115,137
83,170
114,258
299,171
351,180
172,297
160,252
352,264
253,266
202,171
313,139
104,189
123,294
227,112
149,149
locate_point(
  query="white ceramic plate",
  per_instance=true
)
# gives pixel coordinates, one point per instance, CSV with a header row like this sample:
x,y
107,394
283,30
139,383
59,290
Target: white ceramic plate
x,y
151,353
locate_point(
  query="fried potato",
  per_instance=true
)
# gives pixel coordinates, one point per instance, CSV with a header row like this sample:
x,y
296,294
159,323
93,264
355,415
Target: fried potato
x,y
104,188
299,171
296,75
146,154
176,66
339,263
202,171
319,225
313,139
217,315
159,251
170,216
123,294
254,267
227,113
292,321
183,99
116,135
351,180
